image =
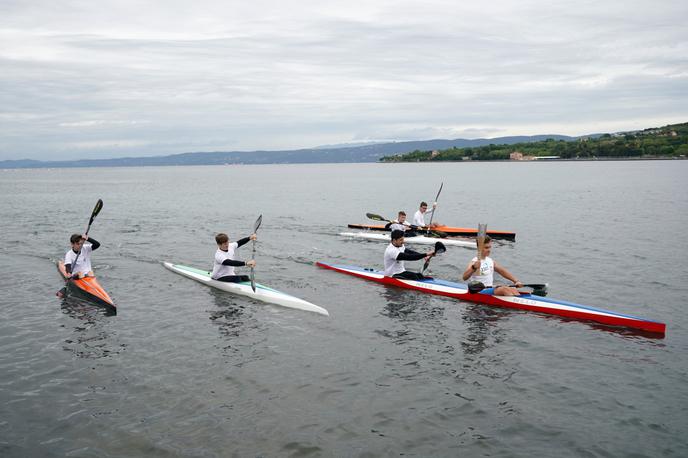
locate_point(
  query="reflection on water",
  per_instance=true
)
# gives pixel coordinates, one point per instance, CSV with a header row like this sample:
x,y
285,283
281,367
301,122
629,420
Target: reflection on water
x,y
91,338
480,321
238,327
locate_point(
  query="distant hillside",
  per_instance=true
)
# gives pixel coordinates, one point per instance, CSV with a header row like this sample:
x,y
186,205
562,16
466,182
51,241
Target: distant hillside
x,y
334,154
666,142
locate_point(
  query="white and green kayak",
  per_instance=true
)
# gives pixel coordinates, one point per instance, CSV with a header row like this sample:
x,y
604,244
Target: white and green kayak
x,y
262,293
419,239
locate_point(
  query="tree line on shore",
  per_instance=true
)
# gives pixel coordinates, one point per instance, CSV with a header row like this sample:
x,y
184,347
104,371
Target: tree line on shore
x,y
667,141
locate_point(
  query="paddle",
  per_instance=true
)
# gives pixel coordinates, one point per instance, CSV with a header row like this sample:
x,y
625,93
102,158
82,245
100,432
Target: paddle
x,y
375,217
439,248
482,232
253,275
539,289
94,213
432,215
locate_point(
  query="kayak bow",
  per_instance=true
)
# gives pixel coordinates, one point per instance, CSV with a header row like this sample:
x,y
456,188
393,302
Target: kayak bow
x,y
262,293
88,288
523,302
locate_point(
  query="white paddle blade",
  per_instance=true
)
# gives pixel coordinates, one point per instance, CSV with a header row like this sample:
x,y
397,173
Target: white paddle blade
x,y
482,232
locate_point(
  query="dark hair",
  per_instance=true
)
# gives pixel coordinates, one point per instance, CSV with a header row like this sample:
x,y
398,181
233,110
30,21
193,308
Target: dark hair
x,y
487,240
423,204
402,212
397,234
75,238
221,238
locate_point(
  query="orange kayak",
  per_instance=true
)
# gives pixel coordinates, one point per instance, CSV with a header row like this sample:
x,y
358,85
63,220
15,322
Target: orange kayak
x,y
87,288
449,230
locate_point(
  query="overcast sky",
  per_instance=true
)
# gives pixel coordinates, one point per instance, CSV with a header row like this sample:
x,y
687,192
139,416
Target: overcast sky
x,y
93,79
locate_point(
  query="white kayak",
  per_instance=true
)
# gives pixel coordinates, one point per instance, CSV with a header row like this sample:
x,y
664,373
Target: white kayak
x,y
419,239
263,293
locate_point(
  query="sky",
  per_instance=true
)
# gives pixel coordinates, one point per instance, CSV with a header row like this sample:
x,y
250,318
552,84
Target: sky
x,y
101,79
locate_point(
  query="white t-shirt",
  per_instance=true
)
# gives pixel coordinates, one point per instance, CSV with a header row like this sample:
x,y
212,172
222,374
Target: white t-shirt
x,y
83,264
392,266
220,270
397,226
419,219
485,274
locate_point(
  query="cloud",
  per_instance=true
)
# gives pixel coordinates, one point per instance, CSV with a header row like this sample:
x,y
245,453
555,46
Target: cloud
x,y
80,79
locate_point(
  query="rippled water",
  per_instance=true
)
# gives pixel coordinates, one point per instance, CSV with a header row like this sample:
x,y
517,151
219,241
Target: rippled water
x,y
183,370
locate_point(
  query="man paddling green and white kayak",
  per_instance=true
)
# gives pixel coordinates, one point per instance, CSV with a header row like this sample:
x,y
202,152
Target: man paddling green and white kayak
x,y
223,276
243,288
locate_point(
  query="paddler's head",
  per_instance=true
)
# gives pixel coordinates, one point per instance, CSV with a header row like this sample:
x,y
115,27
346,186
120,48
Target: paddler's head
x,y
401,217
487,247
423,207
222,241
77,241
397,237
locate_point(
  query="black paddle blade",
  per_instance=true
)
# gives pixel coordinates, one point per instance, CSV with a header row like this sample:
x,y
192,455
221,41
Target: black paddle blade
x,y
475,287
375,217
542,292
257,224
96,210
440,248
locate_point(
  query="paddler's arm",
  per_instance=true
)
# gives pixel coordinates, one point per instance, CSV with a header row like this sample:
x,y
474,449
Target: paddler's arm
x,y
470,269
245,240
506,274
410,255
94,242
232,262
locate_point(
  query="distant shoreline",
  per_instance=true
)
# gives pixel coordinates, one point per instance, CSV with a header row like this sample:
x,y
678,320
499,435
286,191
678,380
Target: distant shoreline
x,y
598,159
581,159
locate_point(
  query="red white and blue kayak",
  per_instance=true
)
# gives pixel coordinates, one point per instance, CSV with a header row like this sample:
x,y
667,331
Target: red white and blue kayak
x,y
523,302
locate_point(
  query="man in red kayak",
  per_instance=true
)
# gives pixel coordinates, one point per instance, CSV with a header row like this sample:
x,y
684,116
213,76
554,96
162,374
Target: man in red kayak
x,y
419,216
482,271
395,255
225,259
77,260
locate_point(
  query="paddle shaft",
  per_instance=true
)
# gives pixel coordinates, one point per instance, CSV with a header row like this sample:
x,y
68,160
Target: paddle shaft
x,y
253,255
439,248
432,215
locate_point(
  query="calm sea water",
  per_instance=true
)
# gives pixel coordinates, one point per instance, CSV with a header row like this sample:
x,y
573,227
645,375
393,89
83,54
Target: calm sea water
x,y
183,370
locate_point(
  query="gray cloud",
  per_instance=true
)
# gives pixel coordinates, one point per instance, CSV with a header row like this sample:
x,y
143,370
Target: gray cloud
x,y
106,79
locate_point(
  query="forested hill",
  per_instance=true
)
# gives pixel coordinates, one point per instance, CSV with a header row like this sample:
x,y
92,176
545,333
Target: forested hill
x,y
330,154
664,142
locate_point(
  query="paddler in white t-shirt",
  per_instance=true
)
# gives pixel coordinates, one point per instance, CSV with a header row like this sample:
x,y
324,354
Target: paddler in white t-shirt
x,y
482,270
400,224
395,255
82,247
225,259
419,216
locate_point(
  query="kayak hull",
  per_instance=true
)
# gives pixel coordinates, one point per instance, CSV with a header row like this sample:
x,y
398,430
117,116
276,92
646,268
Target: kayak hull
x,y
527,302
419,239
87,288
449,230
262,293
